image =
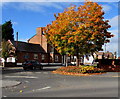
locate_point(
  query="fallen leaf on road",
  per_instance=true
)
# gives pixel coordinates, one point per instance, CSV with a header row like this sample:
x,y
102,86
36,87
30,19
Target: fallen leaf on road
x,y
21,91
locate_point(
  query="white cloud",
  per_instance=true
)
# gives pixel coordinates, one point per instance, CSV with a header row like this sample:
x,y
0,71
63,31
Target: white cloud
x,y
38,5
14,23
49,4
114,21
114,32
34,6
106,8
57,0
29,6
113,45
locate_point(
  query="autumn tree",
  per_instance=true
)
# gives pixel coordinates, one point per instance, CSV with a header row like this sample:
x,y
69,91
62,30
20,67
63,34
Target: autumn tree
x,y
79,30
7,50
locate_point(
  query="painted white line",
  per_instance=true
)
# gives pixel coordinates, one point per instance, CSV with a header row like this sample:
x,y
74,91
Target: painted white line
x,y
43,88
27,81
4,96
45,72
38,72
21,77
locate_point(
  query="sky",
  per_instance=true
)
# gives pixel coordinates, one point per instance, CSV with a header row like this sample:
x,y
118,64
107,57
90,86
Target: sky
x,y
27,16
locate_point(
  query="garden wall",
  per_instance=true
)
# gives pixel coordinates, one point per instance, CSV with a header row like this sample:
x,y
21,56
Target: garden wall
x,y
10,64
110,65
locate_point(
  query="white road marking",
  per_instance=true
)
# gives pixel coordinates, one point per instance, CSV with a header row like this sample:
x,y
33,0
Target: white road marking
x,y
21,77
45,72
42,88
4,96
38,72
27,81
45,88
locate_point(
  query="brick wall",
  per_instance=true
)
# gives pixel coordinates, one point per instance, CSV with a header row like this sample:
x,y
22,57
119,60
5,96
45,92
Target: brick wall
x,y
36,38
21,56
40,38
110,65
44,43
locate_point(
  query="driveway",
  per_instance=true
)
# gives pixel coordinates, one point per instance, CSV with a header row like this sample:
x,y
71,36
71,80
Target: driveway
x,y
43,83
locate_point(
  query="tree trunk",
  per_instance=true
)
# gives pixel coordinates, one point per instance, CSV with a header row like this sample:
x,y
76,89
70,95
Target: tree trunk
x,y
64,61
66,64
82,59
77,60
74,60
70,59
93,59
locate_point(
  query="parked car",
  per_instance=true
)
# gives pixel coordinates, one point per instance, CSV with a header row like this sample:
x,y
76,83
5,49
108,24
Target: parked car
x,y
32,64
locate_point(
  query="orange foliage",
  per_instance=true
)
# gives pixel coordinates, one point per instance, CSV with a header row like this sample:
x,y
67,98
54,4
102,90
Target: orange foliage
x,y
76,25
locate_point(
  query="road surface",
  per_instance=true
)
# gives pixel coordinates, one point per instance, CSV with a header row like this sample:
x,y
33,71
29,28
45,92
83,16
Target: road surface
x,y
43,83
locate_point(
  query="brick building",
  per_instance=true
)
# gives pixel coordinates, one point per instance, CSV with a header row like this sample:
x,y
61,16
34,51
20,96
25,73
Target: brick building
x,y
104,55
50,54
27,51
36,48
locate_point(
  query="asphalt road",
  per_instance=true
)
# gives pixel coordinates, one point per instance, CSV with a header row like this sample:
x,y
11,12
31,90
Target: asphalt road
x,y
43,83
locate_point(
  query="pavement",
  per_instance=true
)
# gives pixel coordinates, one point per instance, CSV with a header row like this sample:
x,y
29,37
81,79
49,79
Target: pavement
x,y
8,83
43,83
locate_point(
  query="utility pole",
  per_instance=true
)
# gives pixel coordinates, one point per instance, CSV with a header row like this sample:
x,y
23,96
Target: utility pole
x,y
105,47
16,40
115,55
16,36
16,45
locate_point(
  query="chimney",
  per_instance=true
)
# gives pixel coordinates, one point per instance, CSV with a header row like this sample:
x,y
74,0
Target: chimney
x,y
40,34
39,31
16,36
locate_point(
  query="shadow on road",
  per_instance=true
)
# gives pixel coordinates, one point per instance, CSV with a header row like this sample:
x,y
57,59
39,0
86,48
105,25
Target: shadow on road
x,y
20,69
48,69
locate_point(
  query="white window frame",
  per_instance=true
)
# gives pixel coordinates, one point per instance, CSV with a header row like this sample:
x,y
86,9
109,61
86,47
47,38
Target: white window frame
x,y
43,56
35,56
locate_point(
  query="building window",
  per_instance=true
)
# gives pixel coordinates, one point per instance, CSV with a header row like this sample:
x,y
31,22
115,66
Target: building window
x,y
26,56
56,58
35,56
43,57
